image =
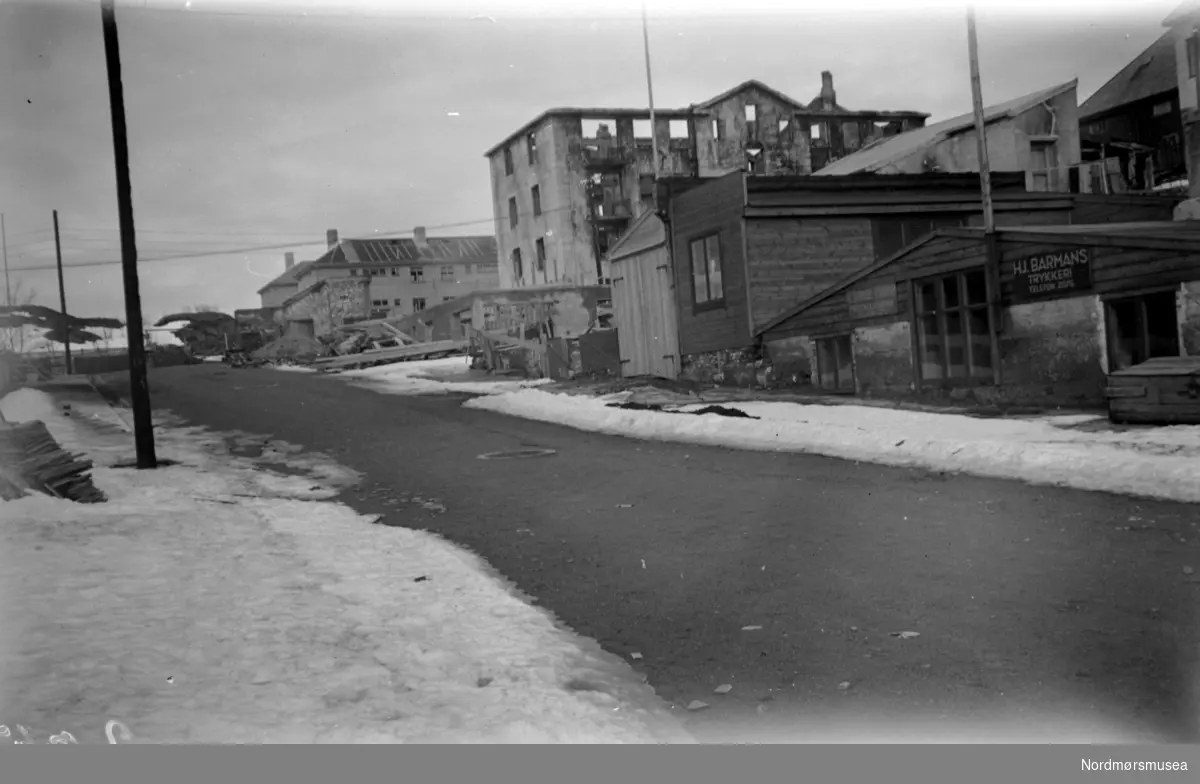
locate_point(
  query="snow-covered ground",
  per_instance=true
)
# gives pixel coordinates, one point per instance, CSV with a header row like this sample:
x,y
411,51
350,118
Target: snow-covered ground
x,y
214,601
433,377
1162,462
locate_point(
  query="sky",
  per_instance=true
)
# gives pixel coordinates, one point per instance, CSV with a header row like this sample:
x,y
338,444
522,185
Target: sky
x,y
256,125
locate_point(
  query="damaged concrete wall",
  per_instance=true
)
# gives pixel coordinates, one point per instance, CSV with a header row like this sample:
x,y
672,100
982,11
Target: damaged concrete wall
x,y
1052,352
883,359
721,138
1189,318
329,304
793,361
733,367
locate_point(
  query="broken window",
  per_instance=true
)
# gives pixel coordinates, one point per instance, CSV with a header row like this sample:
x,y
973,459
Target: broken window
x,y
707,278
751,113
783,125
835,364
518,269
447,272
717,132
418,304
541,254
678,129
954,326
512,212
820,133
536,194
598,129
1043,164
416,274
642,130
508,161
1142,328
531,148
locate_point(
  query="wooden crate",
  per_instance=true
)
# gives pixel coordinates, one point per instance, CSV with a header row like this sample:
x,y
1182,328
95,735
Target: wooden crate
x,y
1163,391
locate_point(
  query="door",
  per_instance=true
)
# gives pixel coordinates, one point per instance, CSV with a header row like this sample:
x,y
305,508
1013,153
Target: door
x,y
644,301
1141,328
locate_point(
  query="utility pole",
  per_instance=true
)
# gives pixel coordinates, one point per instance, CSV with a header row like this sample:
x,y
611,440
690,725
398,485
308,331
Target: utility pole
x,y
4,245
985,177
139,387
62,296
650,90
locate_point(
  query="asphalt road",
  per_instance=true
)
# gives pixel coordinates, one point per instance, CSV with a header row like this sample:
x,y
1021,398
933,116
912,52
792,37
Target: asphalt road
x,y
1032,604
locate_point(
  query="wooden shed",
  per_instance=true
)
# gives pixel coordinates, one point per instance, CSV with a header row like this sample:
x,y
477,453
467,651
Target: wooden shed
x,y
645,313
1058,309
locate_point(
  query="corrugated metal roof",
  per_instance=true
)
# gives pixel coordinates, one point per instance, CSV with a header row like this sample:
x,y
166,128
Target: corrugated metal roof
x,y
902,145
646,232
1150,73
289,277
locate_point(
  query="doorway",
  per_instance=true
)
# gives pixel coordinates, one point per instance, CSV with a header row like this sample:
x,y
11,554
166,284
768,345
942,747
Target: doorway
x,y
1141,328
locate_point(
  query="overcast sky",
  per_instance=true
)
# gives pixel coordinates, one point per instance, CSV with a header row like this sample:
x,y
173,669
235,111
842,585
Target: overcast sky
x,y
251,124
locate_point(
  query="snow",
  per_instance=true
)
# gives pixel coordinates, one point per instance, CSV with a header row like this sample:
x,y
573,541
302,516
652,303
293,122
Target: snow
x,y
215,601
433,377
1159,462
294,368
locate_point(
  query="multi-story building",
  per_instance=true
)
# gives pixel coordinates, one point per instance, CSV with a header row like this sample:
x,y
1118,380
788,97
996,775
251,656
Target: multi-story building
x,y
568,183
1184,22
406,275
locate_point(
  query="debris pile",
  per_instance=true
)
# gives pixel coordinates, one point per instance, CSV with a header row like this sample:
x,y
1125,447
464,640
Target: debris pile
x,y
31,458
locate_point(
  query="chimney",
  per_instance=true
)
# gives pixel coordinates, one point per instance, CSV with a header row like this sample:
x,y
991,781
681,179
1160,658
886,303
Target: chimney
x,y
419,237
828,96
289,260
331,237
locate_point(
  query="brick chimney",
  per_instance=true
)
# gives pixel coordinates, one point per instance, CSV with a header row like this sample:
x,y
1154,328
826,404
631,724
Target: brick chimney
x,y
331,238
828,96
289,260
419,237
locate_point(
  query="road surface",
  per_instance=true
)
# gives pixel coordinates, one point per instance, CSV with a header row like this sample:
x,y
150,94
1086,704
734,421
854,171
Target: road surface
x,y
1033,605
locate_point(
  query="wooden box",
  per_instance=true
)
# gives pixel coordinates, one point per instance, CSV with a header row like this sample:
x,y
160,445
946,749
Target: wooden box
x,y
1163,391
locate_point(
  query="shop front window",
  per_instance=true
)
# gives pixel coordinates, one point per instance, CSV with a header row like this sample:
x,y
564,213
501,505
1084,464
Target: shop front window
x,y
1142,328
954,327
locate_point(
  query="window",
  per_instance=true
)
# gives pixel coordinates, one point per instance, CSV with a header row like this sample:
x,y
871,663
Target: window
x,y
541,254
835,366
354,273
512,212
892,235
1162,108
717,129
397,302
751,113
1191,56
447,299
707,288
395,272
416,274
642,130
954,327
447,272
508,161
531,148
379,303
815,131
418,304
536,194
518,270
1141,328
677,129
1043,164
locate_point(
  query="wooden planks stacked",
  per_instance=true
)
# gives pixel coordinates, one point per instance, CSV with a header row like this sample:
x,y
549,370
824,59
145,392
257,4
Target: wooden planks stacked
x,y
29,453
1161,391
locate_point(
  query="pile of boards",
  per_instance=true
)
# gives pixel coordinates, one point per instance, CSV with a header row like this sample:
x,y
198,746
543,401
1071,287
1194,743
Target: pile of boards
x,y
31,458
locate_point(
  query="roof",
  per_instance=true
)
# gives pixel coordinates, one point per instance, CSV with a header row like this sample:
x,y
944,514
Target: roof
x,y
478,249
1186,231
289,277
748,85
592,111
646,232
1150,73
902,145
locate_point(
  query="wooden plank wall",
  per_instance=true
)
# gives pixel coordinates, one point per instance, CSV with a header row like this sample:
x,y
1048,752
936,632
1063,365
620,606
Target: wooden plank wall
x,y
717,206
1091,209
645,314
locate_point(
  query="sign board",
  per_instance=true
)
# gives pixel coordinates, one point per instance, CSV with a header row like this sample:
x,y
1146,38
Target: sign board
x,y
869,303
1060,273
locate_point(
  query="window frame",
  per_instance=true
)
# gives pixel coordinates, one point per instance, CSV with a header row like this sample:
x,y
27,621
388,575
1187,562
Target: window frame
x,y
706,240
518,266
535,193
1139,299
422,302
836,340
446,273
531,148
540,254
513,219
508,162
975,374
416,274
1192,51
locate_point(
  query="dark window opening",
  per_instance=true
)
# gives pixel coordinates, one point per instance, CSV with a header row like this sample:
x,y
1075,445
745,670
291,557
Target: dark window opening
x,y
707,278
1192,49
518,270
954,327
1142,328
891,235
835,364
512,212
395,271
540,245
508,161
418,304
536,194
531,146
416,274
397,302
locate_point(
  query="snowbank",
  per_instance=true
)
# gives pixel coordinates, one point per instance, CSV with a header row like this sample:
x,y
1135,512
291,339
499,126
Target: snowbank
x,y
214,602
1154,462
433,377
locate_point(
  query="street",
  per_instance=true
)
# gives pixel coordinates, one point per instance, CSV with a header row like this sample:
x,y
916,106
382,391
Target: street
x,y
786,577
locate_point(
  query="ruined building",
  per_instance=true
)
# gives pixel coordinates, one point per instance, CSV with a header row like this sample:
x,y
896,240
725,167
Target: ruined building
x,y
567,184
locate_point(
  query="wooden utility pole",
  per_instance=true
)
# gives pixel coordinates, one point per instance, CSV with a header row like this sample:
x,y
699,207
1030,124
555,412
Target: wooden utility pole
x,y
4,245
62,296
985,177
139,387
650,90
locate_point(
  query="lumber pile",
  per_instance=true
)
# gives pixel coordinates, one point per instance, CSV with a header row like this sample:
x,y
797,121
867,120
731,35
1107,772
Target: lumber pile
x,y
29,455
